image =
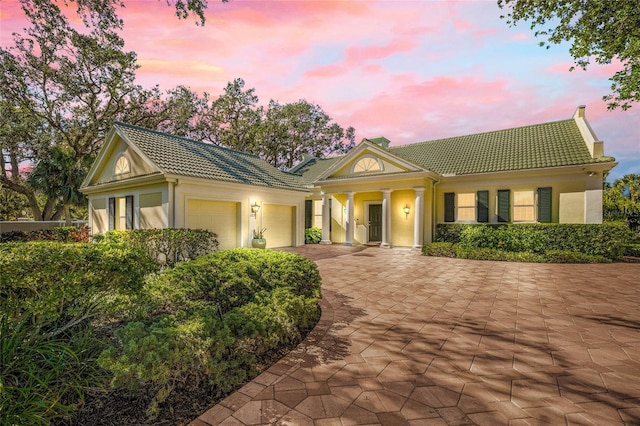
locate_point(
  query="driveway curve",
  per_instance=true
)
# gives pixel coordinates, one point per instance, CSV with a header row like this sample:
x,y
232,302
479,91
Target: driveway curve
x,y
411,340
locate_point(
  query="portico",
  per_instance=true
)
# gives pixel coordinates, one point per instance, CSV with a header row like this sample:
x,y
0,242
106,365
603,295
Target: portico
x,y
386,216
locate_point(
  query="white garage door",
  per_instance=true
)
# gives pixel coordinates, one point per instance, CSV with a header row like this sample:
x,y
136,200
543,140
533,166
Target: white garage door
x,y
279,223
220,217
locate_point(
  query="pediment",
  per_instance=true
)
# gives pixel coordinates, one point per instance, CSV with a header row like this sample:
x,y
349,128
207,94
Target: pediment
x,y
118,160
368,159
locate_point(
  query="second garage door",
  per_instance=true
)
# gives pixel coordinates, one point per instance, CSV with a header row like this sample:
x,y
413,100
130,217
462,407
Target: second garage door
x,y
279,222
220,217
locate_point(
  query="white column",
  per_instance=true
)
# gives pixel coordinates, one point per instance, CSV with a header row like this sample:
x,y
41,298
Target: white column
x,y
386,218
350,220
418,221
326,219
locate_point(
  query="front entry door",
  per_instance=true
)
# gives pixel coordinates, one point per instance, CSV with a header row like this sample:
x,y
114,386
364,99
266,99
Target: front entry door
x,y
375,222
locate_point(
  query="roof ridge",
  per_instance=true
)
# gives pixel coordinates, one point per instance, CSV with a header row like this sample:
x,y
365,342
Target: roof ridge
x,y
169,135
481,133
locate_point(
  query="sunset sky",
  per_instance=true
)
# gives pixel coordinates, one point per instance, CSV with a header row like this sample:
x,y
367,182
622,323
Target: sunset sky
x,y
407,70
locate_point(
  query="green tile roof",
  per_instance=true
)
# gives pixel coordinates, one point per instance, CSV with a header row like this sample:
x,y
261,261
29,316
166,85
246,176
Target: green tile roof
x,y
185,157
544,145
311,168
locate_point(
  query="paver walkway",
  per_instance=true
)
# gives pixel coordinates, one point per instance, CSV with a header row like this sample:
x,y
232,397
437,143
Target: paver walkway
x,y
407,339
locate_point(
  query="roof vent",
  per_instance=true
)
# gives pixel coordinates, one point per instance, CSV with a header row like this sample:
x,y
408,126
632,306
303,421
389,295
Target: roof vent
x,y
380,141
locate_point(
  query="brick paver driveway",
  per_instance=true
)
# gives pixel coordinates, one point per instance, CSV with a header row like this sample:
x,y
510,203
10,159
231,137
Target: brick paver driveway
x,y
407,339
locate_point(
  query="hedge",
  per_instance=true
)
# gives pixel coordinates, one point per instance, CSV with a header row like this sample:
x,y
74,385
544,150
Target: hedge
x,y
166,246
208,319
69,234
607,240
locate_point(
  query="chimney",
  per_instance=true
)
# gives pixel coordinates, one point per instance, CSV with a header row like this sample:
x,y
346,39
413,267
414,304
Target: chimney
x,y
380,141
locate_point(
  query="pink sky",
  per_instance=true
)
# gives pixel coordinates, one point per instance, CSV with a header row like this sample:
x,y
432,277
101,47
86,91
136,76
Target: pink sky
x,y
406,70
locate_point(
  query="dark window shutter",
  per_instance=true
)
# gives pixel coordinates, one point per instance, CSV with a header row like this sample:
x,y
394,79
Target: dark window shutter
x,y
112,213
504,207
449,207
129,209
544,204
482,205
308,212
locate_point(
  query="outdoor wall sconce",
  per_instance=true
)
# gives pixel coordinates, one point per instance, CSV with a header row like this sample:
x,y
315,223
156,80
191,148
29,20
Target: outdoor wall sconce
x,y
255,208
406,211
591,174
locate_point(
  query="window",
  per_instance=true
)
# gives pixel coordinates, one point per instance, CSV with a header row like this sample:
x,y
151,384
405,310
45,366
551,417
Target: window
x,y
121,213
482,206
122,165
367,164
449,206
523,206
467,206
503,205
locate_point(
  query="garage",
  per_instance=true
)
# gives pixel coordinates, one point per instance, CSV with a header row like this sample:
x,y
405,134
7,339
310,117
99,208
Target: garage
x,y
279,222
220,217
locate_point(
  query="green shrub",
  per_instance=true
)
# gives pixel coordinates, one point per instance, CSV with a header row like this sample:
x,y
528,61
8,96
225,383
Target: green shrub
x,y
312,235
449,232
54,295
600,240
166,246
59,282
208,319
439,249
565,256
68,234
633,250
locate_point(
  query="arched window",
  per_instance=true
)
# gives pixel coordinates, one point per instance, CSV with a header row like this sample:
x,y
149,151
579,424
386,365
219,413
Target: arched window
x,y
367,164
122,165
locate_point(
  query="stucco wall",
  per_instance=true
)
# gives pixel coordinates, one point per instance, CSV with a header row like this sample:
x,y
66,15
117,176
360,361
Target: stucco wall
x,y
572,206
138,166
245,196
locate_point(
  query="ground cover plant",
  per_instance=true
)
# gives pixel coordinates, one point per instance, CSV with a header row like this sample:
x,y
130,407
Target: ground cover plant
x,y
101,334
553,243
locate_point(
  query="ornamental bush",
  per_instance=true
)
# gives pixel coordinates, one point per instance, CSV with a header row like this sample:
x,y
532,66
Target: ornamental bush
x,y
54,297
166,246
312,235
210,318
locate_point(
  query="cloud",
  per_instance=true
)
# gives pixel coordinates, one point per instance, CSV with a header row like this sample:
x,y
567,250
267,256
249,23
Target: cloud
x,y
356,55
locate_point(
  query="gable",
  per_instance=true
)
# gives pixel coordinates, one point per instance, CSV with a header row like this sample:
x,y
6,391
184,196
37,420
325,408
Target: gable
x,y
368,159
122,162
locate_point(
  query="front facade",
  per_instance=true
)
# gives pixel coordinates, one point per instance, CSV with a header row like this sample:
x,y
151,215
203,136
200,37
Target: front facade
x,y
375,194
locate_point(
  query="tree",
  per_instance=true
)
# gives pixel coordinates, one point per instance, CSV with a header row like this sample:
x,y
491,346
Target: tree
x,y
12,204
235,117
598,30
60,174
280,133
288,131
62,87
623,196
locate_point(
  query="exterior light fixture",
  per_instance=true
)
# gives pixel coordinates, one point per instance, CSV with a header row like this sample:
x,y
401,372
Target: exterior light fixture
x,y
406,211
255,207
591,174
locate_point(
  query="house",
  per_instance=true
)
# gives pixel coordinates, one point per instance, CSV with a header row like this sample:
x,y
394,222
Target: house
x,y
376,193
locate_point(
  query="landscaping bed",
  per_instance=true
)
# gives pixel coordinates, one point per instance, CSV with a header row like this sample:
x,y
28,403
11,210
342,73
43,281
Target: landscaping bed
x,y
102,334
